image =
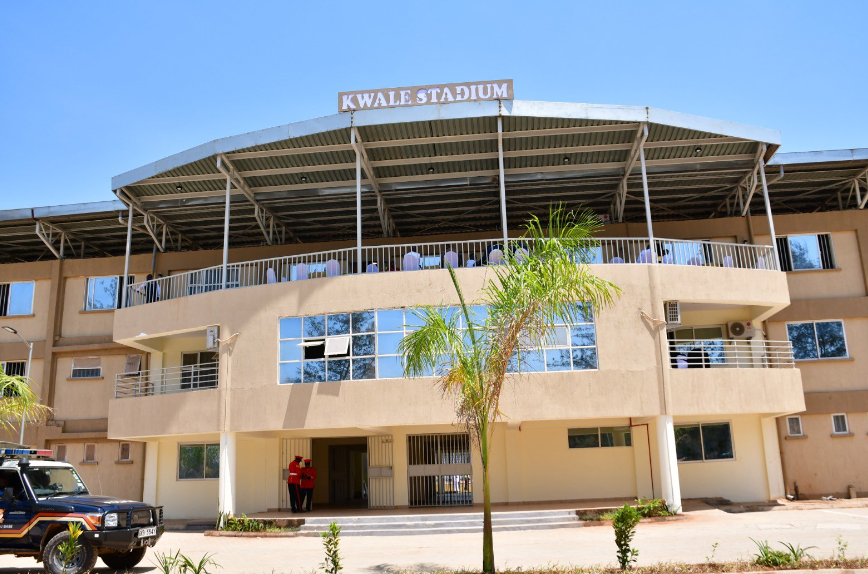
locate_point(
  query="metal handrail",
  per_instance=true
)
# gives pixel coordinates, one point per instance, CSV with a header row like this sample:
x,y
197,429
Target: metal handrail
x,y
166,381
730,353
435,255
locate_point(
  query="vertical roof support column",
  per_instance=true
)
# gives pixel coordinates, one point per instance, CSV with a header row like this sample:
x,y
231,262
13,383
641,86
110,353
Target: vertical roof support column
x,y
501,178
652,245
127,257
226,230
358,204
762,171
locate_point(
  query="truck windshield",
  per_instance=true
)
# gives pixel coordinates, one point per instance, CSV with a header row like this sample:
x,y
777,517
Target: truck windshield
x,y
54,481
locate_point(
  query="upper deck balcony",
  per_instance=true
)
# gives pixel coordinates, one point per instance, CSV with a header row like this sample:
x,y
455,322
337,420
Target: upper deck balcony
x,y
421,256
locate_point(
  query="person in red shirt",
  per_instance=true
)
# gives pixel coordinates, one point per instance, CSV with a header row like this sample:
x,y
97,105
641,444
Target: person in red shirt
x,y
293,482
308,475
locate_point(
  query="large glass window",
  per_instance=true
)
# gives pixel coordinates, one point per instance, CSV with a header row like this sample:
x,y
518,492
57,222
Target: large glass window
x,y
198,461
365,345
103,293
800,252
16,298
703,442
817,340
696,347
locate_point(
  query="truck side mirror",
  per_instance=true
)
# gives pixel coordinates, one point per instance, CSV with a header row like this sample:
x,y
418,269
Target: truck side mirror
x,y
7,494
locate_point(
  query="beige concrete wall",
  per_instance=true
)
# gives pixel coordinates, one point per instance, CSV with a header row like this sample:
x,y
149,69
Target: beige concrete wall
x,y
822,464
86,398
627,384
76,321
31,327
743,479
108,476
188,498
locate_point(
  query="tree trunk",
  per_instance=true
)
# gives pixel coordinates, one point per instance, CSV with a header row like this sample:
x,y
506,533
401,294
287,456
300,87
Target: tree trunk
x,y
487,535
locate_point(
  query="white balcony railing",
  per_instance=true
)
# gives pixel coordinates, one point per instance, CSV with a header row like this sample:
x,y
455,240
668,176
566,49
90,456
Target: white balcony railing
x,y
732,354
419,256
166,381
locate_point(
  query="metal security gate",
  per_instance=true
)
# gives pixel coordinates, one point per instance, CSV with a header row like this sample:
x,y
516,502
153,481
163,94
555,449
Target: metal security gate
x,y
439,472
381,478
289,447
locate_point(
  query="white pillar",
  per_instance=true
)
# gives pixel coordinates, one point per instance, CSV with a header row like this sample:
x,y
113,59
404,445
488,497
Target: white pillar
x,y
670,486
358,203
772,451
226,229
762,170
503,223
127,256
647,205
226,486
149,481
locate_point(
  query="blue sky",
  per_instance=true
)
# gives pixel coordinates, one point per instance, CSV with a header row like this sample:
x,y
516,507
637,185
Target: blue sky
x,y
89,90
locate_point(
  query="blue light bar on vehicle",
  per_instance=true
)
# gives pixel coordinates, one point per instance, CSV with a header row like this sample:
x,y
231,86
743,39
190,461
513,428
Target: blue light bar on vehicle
x,y
25,452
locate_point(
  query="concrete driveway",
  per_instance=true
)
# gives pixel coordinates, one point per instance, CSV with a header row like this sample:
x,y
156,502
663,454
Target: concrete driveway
x,y
688,540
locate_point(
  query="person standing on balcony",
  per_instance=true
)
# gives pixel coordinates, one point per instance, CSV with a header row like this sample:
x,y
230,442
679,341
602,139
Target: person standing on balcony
x,y
293,482
308,476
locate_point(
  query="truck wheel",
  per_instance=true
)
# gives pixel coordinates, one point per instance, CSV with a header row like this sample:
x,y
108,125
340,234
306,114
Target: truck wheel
x,y
52,560
119,560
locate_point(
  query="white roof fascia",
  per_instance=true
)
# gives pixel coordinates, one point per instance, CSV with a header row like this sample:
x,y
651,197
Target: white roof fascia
x,y
459,110
821,156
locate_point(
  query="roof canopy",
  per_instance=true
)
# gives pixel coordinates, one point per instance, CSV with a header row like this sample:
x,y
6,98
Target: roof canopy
x,y
434,169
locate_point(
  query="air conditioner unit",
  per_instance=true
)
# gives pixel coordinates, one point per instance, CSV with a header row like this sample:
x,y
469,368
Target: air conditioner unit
x,y
673,313
741,330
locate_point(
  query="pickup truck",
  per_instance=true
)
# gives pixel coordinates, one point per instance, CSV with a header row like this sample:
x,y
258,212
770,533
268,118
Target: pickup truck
x,y
39,497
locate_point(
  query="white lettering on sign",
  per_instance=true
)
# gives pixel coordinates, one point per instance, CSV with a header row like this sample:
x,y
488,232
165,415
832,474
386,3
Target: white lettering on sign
x,y
424,95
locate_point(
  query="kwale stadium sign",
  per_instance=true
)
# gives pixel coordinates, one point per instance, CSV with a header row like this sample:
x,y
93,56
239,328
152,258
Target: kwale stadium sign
x,y
424,95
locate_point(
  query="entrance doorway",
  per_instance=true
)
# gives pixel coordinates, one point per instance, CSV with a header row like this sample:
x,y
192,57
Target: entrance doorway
x,y
352,472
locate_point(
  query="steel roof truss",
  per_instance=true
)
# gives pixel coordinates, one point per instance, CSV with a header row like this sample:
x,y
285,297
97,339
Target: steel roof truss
x,y
267,220
638,142
153,224
386,221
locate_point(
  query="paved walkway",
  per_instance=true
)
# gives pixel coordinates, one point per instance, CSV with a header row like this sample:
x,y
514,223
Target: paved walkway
x,y
687,540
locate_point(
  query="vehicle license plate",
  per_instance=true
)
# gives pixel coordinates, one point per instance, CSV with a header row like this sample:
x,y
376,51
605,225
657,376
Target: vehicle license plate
x,y
145,532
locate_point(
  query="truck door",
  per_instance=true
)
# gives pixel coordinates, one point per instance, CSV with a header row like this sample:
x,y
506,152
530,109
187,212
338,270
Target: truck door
x,y
15,510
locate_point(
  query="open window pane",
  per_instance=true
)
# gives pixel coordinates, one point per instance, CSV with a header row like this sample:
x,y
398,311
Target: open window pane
x,y
806,252
717,441
20,298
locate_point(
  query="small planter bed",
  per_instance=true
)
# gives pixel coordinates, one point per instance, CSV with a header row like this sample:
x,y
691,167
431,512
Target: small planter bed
x,y
598,521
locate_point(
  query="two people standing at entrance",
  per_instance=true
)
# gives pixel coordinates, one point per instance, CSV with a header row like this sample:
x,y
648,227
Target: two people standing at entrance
x,y
300,483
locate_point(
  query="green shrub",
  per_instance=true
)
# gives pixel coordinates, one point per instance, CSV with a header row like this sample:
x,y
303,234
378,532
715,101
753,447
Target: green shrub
x,y
769,557
244,524
649,508
625,521
330,541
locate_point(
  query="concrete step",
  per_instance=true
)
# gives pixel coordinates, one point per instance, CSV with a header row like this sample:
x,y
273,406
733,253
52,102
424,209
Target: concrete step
x,y
448,523
440,517
447,529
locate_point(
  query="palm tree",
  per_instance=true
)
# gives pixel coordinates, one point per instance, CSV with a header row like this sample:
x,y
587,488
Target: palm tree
x,y
18,402
547,279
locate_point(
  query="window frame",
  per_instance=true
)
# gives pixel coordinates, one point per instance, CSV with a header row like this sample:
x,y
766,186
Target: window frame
x,y
205,446
72,369
408,326
57,448
88,292
5,365
817,342
702,442
129,451
846,424
4,312
84,459
600,437
833,258
801,428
